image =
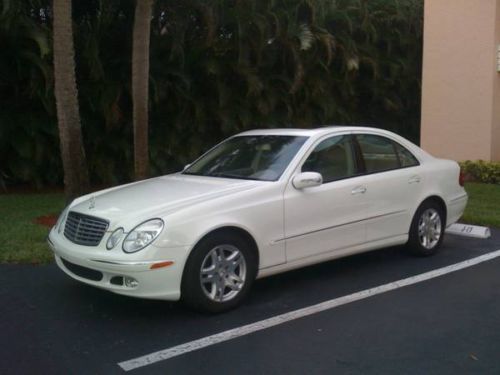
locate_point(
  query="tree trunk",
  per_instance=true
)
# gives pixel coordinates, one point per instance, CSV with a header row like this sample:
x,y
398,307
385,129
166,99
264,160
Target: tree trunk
x,y
140,85
76,180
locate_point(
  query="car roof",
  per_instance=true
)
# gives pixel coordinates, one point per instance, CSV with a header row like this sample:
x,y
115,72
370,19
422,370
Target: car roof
x,y
311,132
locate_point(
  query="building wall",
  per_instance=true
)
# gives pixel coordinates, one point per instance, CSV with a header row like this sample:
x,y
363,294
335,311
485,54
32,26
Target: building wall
x,y
495,139
461,88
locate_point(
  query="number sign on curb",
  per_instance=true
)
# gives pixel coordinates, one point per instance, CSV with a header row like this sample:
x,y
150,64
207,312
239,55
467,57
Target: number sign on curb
x,y
469,230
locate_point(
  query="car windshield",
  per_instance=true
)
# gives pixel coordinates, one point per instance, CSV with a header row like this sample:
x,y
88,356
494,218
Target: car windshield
x,y
250,157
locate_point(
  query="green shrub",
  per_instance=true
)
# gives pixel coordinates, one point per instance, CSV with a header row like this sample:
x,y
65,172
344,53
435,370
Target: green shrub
x,y
481,171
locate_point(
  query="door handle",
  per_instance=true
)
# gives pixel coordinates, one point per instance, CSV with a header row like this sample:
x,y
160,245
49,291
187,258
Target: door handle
x,y
414,179
358,190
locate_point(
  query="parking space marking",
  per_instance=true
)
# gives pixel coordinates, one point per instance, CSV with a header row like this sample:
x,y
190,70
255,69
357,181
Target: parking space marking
x,y
204,342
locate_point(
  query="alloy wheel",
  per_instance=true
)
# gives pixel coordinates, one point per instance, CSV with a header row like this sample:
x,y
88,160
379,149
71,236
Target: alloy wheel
x,y
429,228
223,273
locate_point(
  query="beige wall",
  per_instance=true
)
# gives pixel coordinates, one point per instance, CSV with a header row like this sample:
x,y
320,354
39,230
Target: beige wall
x,y
495,140
461,88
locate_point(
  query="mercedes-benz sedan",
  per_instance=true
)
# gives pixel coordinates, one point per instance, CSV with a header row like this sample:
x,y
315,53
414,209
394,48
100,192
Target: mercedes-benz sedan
x,y
259,203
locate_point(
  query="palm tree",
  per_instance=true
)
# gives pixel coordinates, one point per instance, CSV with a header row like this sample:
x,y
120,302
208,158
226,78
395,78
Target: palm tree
x,y
76,180
140,85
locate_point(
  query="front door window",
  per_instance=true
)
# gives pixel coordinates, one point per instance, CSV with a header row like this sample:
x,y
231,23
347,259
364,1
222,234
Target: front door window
x,y
333,158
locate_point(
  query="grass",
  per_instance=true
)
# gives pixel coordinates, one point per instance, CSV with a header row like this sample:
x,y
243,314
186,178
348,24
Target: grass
x,y
484,204
23,241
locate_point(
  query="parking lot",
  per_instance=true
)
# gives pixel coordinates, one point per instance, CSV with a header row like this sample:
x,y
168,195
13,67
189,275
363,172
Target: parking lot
x,y
447,324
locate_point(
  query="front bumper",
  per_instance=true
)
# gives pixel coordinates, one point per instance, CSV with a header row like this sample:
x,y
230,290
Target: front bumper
x,y
133,278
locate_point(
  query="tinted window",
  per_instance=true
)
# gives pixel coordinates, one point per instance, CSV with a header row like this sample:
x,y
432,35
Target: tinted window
x,y
257,157
333,158
378,152
405,157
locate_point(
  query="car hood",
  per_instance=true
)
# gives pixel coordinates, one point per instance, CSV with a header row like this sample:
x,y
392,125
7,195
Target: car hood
x,y
157,197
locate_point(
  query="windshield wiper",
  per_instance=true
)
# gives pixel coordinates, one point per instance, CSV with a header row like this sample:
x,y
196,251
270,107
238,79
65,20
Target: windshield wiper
x,y
192,174
229,175
222,175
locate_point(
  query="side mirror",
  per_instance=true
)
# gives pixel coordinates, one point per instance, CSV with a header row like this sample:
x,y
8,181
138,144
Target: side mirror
x,y
307,179
186,167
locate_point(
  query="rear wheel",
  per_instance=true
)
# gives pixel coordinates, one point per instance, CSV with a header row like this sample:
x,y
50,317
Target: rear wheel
x,y
218,273
427,229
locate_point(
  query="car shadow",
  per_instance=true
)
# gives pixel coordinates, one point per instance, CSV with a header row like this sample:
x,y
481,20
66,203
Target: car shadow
x,y
281,293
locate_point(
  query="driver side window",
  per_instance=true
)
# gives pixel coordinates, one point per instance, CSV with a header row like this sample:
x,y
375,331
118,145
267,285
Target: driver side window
x,y
333,158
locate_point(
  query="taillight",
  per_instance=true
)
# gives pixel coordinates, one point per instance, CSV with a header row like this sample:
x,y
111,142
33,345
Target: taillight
x,y
461,178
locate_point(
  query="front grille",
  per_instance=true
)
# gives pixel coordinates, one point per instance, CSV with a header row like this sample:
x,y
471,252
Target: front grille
x,y
81,271
84,230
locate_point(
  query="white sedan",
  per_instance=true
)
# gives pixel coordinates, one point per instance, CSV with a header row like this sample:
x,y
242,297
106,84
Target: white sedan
x,y
259,203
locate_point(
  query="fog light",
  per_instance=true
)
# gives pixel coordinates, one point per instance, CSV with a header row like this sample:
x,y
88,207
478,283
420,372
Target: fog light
x,y
130,282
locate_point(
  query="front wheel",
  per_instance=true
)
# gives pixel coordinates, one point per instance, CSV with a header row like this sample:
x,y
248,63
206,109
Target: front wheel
x,y
218,273
427,229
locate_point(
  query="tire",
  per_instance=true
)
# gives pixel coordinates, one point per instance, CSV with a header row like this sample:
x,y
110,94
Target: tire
x,y
218,273
427,229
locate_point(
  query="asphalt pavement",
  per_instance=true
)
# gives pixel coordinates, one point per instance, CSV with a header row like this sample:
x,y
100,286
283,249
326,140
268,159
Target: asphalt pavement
x,y
450,324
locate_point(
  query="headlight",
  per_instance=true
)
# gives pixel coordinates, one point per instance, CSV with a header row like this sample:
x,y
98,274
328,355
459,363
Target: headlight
x,y
60,220
114,238
142,235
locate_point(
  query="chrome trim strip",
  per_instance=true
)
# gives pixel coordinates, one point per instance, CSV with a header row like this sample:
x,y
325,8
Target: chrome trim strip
x,y
50,243
339,225
130,263
458,198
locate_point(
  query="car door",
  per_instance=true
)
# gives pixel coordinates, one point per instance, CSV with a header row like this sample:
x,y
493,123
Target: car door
x,y
330,216
393,185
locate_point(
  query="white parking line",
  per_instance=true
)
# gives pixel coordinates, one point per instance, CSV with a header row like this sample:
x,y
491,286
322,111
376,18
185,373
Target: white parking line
x,y
204,342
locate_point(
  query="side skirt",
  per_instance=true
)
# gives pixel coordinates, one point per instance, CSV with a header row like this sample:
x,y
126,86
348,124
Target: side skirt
x,y
339,253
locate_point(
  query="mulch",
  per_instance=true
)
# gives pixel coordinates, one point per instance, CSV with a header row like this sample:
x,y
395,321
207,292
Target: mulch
x,y
47,221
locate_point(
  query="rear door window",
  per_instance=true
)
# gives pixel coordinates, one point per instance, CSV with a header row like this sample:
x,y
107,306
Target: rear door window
x,y
378,152
383,154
